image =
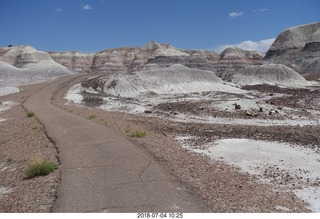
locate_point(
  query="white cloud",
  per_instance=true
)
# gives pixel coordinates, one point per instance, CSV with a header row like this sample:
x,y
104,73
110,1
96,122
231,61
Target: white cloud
x,y
87,7
59,9
259,46
260,10
236,14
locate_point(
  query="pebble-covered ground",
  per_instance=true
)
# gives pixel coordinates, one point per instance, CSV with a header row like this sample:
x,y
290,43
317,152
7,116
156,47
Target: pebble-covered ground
x,y
23,139
223,186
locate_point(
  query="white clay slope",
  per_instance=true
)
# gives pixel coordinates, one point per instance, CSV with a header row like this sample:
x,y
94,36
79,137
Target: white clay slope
x,y
274,74
21,55
170,80
23,65
11,76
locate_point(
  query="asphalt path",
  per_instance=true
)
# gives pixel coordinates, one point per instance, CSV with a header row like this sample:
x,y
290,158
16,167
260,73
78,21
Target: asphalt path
x,y
101,170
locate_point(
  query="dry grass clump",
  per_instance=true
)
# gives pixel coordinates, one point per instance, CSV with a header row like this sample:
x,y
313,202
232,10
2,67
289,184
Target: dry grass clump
x,y
138,134
135,133
39,167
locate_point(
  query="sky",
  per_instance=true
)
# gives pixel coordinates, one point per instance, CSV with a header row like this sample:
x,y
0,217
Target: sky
x,y
90,26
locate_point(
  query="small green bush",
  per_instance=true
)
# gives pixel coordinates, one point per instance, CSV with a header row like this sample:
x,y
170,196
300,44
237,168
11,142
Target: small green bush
x,y
92,116
30,114
40,167
2,141
9,159
138,134
127,129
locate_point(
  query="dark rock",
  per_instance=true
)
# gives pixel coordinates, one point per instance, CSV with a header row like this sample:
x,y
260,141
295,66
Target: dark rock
x,y
237,106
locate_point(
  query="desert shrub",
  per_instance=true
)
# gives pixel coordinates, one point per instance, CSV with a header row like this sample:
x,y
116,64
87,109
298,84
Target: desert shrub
x,y
39,167
9,159
92,116
127,129
30,114
2,141
138,134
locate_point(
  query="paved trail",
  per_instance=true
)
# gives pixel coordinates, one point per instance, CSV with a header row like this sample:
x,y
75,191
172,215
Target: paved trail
x,y
101,171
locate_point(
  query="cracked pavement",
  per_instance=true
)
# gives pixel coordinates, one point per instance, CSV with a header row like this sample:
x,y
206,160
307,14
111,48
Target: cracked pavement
x,y
101,170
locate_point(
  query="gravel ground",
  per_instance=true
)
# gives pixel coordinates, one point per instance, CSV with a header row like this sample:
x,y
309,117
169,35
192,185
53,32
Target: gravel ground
x,y
224,187
22,139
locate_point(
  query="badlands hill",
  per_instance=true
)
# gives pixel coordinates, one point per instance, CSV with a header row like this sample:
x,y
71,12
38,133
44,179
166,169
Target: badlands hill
x,y
130,59
152,80
298,48
23,65
73,59
273,74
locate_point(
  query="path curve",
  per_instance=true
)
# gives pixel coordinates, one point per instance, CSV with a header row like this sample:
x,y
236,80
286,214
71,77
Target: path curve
x,y
101,170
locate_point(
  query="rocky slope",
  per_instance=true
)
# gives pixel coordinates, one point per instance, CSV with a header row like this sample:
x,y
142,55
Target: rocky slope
x,y
298,48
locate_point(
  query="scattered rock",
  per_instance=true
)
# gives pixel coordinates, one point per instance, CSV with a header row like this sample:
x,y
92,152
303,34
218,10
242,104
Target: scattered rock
x,y
237,106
